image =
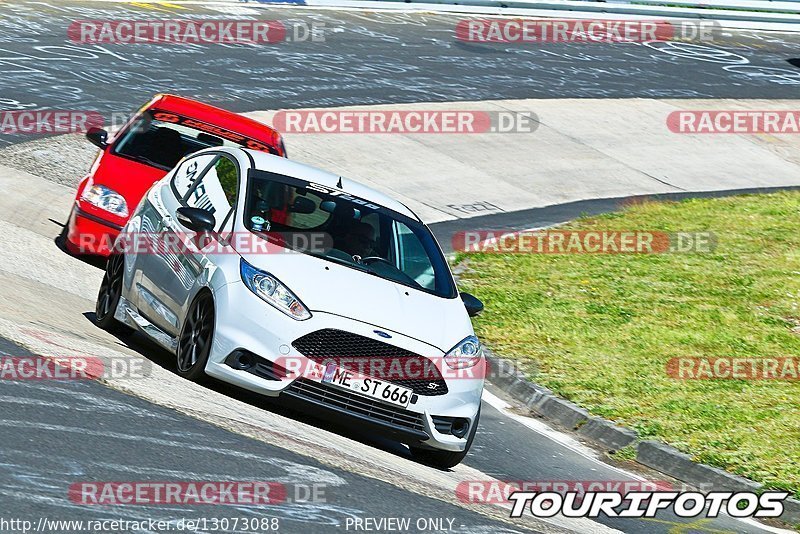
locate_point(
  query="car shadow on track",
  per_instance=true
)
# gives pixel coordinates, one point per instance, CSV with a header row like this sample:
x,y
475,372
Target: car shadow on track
x,y
60,242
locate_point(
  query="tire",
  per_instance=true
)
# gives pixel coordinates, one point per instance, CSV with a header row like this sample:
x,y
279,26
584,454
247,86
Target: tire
x,y
61,239
446,459
63,242
109,296
197,334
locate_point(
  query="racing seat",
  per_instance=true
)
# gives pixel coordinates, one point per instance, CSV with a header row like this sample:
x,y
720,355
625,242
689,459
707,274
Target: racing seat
x,y
165,147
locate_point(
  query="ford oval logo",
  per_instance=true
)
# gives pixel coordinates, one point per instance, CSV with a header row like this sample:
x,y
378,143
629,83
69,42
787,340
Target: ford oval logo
x,y
382,334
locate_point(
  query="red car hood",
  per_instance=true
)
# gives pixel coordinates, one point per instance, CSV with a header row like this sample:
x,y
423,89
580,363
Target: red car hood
x,y
127,177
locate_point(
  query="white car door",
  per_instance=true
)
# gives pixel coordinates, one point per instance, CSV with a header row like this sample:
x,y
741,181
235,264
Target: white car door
x,y
167,274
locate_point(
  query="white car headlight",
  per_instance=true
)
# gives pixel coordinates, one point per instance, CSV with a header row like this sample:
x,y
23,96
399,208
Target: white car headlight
x,y
106,199
273,292
465,355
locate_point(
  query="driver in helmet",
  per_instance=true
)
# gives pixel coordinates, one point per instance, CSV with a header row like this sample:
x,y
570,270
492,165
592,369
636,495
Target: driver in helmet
x,y
359,241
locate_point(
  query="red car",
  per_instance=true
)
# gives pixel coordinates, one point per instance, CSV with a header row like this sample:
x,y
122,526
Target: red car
x,y
161,133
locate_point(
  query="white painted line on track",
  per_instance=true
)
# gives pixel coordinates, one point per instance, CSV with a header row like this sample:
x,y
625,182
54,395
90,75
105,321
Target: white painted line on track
x,y
569,442
561,438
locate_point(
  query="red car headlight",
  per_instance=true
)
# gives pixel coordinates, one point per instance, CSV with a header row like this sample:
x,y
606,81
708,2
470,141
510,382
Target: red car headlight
x,y
106,199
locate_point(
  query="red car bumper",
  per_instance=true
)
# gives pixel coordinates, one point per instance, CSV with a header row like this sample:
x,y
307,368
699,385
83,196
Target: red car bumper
x,y
88,233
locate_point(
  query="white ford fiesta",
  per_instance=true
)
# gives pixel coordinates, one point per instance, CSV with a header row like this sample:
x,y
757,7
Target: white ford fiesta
x,y
290,281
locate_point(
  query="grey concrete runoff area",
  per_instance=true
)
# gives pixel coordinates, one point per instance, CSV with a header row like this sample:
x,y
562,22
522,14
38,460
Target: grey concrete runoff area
x,y
581,150
601,137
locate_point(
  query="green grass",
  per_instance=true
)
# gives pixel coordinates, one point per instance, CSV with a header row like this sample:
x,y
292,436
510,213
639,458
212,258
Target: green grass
x,y
599,329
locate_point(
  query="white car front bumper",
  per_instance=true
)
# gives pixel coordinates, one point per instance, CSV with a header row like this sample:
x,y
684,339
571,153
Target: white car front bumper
x,y
252,325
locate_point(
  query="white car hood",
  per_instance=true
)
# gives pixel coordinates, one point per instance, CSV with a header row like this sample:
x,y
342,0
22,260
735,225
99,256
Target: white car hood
x,y
324,286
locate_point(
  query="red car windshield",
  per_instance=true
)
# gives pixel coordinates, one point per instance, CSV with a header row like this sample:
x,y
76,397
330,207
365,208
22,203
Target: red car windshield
x,y
161,139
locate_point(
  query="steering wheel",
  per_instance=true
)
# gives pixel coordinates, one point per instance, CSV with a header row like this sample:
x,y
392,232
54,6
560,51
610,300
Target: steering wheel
x,y
403,276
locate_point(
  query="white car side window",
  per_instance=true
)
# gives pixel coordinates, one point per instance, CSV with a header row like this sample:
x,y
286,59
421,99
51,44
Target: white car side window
x,y
216,189
189,171
410,253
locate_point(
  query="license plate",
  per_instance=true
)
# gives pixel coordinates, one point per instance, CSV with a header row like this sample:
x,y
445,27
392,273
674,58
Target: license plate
x,y
366,386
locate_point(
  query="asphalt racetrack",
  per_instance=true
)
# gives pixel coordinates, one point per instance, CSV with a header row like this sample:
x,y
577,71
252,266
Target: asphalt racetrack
x,y
164,428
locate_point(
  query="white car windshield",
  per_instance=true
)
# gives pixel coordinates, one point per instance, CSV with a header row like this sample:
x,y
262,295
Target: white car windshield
x,y
347,230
